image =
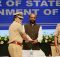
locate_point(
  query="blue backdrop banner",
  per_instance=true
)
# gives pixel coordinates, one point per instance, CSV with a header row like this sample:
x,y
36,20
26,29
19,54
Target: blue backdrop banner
x,y
48,12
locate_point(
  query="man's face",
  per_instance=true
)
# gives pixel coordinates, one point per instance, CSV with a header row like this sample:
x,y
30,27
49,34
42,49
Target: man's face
x,y
32,17
18,19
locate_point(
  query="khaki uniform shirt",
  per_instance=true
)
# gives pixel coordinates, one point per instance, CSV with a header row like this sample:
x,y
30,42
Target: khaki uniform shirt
x,y
57,32
15,31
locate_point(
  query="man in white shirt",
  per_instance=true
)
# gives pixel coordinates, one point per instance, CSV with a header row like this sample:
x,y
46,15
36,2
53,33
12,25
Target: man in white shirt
x,y
35,32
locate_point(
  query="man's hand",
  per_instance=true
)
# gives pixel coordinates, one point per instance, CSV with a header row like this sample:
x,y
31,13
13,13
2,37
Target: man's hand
x,y
57,50
35,41
30,40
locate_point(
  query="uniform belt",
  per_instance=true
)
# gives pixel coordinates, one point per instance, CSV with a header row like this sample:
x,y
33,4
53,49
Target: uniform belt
x,y
15,42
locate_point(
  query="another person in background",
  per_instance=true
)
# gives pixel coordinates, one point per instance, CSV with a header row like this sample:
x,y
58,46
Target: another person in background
x,y
35,32
57,39
16,36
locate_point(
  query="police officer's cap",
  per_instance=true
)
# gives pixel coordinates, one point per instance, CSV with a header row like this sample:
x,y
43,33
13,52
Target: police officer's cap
x,y
19,14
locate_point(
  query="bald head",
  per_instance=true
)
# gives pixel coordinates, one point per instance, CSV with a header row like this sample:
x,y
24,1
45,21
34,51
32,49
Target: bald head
x,y
32,17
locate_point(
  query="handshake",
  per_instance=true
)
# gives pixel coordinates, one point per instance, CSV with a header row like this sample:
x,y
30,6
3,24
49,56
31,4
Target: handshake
x,y
33,41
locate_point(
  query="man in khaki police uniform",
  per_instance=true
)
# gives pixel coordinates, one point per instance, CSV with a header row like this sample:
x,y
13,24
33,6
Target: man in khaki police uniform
x,y
57,39
16,36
